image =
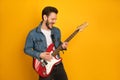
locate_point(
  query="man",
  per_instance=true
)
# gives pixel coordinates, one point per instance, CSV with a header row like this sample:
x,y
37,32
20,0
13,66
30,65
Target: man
x,y
41,37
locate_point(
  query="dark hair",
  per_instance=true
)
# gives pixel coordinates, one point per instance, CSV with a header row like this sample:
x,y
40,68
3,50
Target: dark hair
x,y
47,10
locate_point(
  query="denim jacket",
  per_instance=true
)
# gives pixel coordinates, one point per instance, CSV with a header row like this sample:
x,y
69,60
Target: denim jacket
x,y
36,41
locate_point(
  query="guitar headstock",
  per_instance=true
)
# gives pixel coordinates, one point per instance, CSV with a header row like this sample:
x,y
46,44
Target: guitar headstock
x,y
82,26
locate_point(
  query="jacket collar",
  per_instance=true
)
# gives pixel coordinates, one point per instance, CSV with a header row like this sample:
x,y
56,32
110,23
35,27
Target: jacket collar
x,y
38,29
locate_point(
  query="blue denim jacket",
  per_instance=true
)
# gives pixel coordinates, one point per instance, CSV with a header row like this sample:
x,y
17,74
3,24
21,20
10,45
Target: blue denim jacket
x,y
36,41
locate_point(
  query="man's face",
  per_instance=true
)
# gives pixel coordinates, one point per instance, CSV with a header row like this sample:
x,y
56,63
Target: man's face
x,y
51,19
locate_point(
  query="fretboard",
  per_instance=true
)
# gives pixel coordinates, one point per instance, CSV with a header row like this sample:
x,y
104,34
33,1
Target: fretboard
x,y
67,40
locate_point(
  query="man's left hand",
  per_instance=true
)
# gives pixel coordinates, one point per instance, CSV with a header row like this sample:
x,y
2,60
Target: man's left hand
x,y
65,45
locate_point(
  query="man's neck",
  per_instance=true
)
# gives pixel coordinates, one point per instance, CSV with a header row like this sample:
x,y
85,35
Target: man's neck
x,y
44,26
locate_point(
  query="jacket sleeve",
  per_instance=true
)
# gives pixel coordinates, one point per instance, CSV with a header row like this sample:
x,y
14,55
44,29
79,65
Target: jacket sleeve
x,y
28,49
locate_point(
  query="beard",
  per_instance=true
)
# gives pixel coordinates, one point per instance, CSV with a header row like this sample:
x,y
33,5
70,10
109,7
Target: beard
x,y
49,25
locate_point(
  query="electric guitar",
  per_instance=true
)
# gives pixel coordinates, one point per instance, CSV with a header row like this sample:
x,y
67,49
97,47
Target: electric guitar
x,y
43,67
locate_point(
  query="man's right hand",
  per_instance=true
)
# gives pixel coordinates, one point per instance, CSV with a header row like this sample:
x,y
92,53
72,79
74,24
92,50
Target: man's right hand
x,y
46,56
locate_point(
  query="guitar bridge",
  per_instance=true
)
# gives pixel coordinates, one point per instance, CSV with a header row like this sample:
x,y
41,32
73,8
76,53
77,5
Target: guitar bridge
x,y
43,62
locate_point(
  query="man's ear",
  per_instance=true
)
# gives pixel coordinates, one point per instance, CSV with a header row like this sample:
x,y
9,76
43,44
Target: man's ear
x,y
45,17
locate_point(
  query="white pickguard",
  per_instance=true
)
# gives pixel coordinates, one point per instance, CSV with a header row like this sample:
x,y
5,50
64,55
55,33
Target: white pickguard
x,y
49,65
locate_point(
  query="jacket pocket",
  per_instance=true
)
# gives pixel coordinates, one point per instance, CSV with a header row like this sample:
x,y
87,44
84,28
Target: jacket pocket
x,y
38,45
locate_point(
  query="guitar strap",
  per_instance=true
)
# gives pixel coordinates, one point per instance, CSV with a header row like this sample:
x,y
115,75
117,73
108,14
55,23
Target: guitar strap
x,y
53,39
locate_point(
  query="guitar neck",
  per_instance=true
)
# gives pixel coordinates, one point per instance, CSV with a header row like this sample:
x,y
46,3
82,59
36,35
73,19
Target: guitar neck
x,y
67,40
72,35
80,28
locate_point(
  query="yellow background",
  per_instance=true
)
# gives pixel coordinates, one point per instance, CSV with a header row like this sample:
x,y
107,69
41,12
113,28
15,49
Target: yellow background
x,y
94,54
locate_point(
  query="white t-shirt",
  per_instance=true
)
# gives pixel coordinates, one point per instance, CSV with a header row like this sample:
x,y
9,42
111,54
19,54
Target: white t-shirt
x,y
47,34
